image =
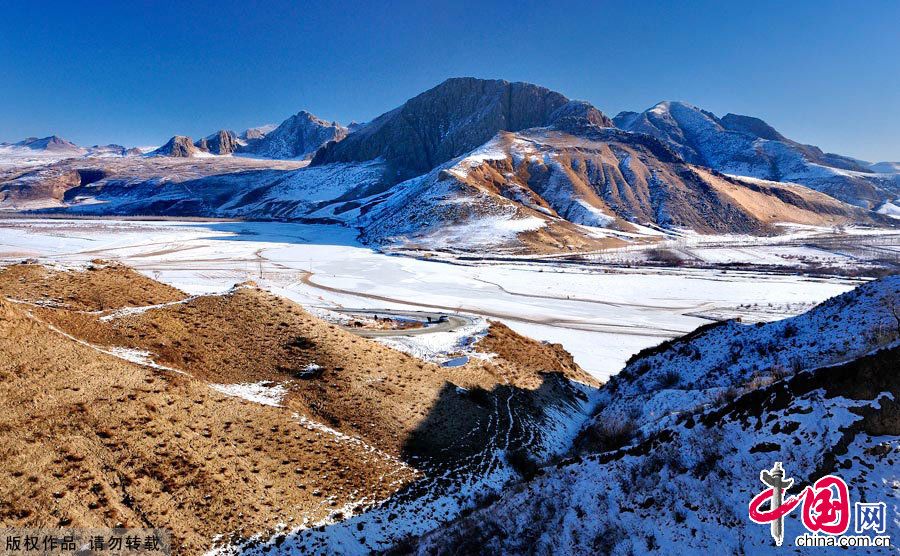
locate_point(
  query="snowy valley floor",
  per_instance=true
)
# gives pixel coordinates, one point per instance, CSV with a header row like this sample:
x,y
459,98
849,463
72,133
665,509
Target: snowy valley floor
x,y
601,313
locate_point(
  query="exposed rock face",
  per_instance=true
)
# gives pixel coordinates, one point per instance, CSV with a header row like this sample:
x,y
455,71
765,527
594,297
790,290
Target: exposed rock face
x,y
452,119
296,137
748,146
179,146
221,142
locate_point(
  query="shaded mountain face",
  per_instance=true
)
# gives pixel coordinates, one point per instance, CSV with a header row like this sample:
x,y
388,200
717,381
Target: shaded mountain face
x,y
449,120
296,137
747,146
221,142
179,146
673,455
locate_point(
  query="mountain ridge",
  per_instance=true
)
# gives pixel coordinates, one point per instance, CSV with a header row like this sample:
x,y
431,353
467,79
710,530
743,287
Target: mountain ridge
x,y
748,146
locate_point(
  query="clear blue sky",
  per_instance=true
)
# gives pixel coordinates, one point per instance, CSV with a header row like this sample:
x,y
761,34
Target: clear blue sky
x,y
821,72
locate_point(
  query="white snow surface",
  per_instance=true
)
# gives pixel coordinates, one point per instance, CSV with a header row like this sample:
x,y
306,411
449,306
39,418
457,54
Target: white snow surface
x,y
265,392
602,315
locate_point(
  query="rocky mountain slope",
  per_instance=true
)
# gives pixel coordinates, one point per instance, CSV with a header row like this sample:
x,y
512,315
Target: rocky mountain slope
x,y
450,120
297,137
222,142
539,189
179,146
672,457
747,146
239,414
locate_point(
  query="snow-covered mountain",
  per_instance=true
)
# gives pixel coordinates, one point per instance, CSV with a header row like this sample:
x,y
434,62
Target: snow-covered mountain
x,y
478,164
297,137
574,186
885,167
570,186
747,146
672,457
32,152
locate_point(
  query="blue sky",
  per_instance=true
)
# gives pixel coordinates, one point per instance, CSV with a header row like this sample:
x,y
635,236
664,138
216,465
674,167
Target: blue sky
x,y
826,73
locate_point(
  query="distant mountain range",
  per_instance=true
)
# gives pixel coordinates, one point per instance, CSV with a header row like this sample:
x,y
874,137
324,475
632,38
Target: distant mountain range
x,y
474,164
747,146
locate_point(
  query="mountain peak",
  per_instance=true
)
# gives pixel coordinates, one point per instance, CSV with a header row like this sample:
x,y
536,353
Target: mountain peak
x,y
179,146
451,119
53,143
296,137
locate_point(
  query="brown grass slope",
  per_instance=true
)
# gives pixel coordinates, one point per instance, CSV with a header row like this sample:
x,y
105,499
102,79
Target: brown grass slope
x,y
98,287
90,439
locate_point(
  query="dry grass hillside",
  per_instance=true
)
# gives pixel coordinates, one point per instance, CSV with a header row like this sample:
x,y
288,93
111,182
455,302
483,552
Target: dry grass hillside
x,y
90,439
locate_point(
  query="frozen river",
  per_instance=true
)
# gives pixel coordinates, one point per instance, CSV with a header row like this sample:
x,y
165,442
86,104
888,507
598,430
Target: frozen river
x,y
602,315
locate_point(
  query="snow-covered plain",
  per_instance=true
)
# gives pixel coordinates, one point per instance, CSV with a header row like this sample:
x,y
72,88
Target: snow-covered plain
x,y
601,314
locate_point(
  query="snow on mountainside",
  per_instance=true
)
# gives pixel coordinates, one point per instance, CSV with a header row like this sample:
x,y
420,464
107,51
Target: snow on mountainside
x,y
297,137
32,152
552,188
449,120
472,164
573,186
672,458
728,355
885,167
747,146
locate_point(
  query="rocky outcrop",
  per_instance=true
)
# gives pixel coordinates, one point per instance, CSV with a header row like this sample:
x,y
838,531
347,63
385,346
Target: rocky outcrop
x,y
258,132
221,142
297,137
450,120
179,146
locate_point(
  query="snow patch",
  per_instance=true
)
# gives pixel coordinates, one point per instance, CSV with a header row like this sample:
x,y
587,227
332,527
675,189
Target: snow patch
x,y
265,392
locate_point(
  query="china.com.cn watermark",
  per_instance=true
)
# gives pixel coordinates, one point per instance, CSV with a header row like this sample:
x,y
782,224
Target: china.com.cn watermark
x,y
824,511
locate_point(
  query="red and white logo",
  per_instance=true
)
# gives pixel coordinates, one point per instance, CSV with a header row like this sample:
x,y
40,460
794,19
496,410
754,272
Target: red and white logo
x,y
825,506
